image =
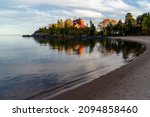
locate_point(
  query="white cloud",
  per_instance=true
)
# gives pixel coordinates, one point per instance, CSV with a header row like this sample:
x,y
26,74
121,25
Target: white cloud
x,y
144,5
26,14
104,7
22,20
87,13
88,4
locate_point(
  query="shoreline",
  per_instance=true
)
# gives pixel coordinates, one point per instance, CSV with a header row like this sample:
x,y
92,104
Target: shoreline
x,y
130,82
58,37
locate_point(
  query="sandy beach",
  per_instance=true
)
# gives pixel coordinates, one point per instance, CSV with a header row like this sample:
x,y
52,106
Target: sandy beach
x,y
130,82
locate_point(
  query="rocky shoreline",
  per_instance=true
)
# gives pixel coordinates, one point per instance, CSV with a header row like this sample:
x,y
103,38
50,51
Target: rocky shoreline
x,y
54,36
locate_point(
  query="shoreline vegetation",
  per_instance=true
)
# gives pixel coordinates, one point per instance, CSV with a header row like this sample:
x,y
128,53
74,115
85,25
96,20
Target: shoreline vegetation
x,y
76,29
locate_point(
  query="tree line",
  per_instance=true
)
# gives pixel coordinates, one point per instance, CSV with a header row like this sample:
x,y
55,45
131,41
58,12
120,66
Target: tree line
x,y
67,28
131,26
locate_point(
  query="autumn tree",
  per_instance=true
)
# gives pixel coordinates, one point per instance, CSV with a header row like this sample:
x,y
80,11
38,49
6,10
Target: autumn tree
x,y
60,23
68,23
91,23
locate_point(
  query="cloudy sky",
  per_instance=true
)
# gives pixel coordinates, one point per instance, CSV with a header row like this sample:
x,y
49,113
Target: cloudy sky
x,y
25,16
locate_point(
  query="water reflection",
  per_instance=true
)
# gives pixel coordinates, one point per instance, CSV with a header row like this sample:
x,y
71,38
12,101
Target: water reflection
x,y
34,68
104,46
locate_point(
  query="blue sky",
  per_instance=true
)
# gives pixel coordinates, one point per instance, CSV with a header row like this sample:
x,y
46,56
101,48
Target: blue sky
x,y
26,16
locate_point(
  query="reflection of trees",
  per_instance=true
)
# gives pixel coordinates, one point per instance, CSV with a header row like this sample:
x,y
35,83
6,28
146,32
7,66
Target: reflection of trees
x,y
127,48
106,46
69,46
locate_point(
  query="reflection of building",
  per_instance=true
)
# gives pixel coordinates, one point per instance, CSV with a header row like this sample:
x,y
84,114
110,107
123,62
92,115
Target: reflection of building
x,y
78,23
107,22
79,49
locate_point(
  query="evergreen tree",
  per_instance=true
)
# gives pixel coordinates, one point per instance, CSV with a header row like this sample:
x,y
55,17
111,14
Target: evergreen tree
x,y
146,25
92,28
130,22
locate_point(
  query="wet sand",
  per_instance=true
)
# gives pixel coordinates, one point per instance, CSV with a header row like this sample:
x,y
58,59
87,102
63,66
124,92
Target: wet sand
x,y
130,82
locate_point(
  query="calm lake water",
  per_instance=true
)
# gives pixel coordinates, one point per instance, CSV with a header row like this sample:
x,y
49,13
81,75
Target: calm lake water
x,y
37,68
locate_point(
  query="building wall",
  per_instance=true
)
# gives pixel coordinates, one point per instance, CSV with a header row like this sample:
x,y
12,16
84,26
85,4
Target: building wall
x,y
78,23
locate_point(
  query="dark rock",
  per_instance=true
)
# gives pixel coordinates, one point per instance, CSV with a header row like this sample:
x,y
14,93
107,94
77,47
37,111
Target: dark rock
x,y
26,35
